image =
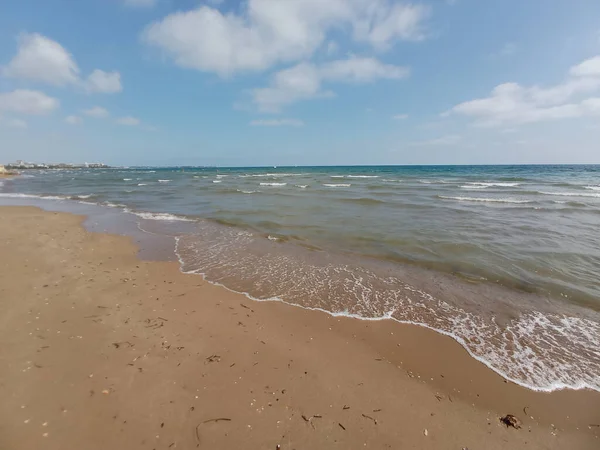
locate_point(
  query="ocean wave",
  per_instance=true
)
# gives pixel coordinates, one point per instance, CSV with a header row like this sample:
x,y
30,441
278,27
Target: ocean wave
x,y
572,194
493,184
511,351
302,186
470,186
363,176
75,197
162,216
569,203
216,181
247,192
126,179
43,197
164,181
271,175
593,188
142,184
484,199
273,184
336,185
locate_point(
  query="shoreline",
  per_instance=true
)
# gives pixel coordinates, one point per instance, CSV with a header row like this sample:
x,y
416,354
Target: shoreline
x,y
325,361
153,248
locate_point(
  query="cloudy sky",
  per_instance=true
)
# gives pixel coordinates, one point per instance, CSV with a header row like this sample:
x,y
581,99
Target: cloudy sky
x,y
299,82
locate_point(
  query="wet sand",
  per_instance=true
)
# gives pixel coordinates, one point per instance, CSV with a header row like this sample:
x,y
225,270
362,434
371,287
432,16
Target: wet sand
x,y
102,350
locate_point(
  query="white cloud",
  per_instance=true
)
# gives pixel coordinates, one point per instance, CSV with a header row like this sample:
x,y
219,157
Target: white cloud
x,y
277,123
267,32
304,80
25,101
140,3
16,123
73,120
104,82
41,59
400,116
97,112
589,67
361,70
128,121
511,103
383,23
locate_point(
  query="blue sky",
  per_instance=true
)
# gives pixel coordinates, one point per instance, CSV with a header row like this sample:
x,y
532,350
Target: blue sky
x,y
300,82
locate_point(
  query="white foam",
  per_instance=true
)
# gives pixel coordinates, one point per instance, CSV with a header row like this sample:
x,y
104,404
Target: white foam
x,y
222,176
336,185
43,197
593,188
572,194
116,205
217,181
470,186
484,199
363,176
126,179
84,196
302,186
247,192
272,175
493,184
273,184
164,181
142,184
162,216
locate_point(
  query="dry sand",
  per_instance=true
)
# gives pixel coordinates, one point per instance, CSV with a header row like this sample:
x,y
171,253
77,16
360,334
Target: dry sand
x,y
103,351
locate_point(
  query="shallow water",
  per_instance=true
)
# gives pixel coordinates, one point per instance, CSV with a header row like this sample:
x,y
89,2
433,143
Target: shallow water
x,y
505,259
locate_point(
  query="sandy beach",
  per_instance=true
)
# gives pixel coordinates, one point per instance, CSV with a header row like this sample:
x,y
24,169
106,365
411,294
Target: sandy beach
x,y
103,350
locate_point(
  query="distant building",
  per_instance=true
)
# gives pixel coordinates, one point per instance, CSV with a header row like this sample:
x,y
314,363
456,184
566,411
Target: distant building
x,y
20,165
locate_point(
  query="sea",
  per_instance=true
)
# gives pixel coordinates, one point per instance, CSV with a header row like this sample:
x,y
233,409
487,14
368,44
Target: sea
x,y
503,259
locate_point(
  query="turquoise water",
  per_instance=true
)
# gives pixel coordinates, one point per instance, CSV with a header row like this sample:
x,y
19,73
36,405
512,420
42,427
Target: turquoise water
x,y
506,259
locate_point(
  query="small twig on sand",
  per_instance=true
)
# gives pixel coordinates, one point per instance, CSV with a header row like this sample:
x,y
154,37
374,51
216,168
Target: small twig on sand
x,y
219,419
213,358
342,426
244,306
309,419
369,417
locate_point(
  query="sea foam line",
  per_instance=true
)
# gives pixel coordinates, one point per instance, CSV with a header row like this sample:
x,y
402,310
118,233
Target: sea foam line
x,y
484,199
558,385
572,194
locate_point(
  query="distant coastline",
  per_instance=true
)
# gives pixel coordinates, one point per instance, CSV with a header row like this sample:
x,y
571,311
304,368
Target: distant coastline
x,y
22,165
